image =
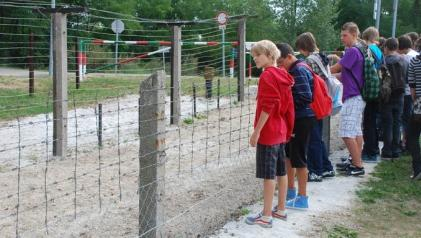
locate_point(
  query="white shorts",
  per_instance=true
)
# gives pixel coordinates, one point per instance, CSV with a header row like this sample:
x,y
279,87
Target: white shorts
x,y
352,117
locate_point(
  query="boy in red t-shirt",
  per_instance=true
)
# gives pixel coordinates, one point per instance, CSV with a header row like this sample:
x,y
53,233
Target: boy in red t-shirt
x,y
273,126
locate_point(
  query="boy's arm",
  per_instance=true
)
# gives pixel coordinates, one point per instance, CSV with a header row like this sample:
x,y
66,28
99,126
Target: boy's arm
x,y
301,91
336,68
411,80
259,126
413,94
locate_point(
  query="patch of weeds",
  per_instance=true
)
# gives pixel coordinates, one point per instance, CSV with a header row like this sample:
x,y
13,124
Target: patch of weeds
x,y
200,116
342,232
406,211
370,195
188,121
244,211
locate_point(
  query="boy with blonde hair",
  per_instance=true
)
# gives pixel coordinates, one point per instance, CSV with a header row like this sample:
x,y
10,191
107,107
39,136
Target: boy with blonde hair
x,y
273,126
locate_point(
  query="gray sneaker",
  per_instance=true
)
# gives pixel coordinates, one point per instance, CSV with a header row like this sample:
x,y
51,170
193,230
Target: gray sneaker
x,y
369,158
328,174
312,177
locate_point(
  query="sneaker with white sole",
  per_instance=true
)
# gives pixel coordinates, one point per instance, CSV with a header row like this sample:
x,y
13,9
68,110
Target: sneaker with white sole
x,y
279,214
355,171
328,174
299,203
312,177
291,194
344,164
416,176
259,219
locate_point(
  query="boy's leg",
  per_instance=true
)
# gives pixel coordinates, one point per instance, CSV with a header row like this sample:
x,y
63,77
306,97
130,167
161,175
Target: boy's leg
x,y
290,174
302,176
268,191
315,150
387,123
397,122
299,145
282,191
414,129
371,145
354,146
350,127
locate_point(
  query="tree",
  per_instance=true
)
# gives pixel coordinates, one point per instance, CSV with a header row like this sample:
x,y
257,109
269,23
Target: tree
x,y
298,16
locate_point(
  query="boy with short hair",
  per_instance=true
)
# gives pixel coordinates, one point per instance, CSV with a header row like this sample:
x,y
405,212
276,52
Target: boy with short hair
x,y
371,151
272,129
351,69
405,49
305,120
318,163
391,110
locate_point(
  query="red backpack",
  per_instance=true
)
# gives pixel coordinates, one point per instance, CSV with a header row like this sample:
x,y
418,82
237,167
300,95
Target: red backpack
x,y
322,102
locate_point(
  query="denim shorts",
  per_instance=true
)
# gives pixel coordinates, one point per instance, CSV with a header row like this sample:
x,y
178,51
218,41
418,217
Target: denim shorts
x,y
270,161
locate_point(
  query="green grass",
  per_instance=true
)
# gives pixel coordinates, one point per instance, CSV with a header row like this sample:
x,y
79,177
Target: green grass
x,y
388,205
342,232
391,182
190,120
16,102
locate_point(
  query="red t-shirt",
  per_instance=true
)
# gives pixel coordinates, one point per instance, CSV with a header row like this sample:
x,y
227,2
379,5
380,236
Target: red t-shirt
x,y
274,96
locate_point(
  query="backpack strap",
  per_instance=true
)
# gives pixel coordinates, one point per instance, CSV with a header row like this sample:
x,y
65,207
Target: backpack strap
x,y
360,88
320,64
311,71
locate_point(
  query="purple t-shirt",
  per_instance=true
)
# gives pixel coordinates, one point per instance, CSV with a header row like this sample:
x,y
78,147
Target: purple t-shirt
x,y
352,72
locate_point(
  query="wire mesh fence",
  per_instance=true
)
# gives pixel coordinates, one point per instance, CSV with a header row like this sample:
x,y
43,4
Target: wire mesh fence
x,y
127,170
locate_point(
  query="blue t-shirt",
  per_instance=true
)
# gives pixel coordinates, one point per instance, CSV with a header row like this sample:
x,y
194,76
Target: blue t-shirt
x,y
377,54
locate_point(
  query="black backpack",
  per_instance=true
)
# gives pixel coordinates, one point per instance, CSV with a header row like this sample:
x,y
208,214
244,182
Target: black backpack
x,y
392,80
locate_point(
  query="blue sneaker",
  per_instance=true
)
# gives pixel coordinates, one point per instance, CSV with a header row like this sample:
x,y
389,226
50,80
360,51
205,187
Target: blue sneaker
x,y
299,203
259,219
291,194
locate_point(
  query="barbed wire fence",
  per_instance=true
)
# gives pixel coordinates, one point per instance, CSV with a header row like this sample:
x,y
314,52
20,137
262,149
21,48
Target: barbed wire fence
x,y
127,170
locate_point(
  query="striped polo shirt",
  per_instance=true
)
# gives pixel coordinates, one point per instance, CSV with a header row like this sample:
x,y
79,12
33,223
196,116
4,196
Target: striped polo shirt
x,y
414,75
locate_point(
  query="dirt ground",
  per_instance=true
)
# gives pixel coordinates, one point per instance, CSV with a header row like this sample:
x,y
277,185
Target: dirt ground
x,y
209,173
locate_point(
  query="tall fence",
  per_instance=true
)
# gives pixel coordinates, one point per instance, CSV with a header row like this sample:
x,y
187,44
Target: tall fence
x,y
126,168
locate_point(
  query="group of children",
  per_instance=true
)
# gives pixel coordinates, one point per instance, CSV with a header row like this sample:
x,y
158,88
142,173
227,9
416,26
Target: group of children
x,y
287,135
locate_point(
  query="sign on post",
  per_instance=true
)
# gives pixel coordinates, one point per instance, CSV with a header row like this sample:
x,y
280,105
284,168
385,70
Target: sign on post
x,y
222,19
117,26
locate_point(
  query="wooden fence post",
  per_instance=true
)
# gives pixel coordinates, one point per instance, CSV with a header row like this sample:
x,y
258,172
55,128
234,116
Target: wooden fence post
x,y
152,155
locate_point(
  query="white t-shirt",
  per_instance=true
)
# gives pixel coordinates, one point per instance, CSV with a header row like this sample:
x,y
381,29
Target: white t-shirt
x,y
412,53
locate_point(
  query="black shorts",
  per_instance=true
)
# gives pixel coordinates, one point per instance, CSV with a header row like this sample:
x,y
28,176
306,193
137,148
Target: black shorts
x,y
296,148
270,161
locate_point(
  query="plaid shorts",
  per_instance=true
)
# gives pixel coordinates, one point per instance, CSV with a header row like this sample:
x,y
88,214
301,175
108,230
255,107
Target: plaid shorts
x,y
352,117
270,161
